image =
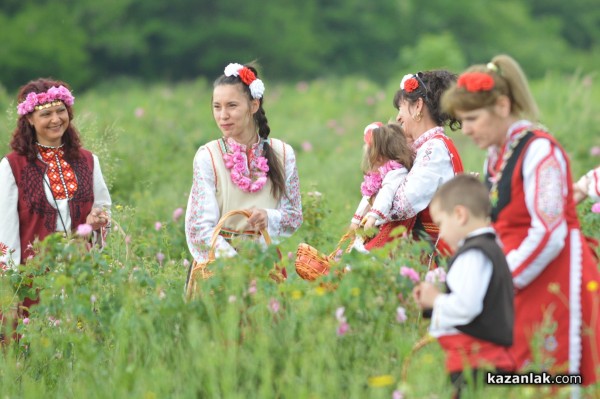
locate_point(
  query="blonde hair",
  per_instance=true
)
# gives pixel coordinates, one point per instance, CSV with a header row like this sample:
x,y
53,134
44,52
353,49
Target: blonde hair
x,y
388,143
509,81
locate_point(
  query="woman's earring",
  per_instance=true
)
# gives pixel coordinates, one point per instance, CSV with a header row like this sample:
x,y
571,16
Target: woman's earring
x,y
418,117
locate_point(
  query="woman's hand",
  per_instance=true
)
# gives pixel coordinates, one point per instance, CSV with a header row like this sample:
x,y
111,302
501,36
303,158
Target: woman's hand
x,y
258,220
97,218
370,223
354,226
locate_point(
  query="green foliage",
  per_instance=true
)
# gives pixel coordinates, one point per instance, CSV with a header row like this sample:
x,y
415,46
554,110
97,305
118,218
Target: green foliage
x,y
90,41
125,329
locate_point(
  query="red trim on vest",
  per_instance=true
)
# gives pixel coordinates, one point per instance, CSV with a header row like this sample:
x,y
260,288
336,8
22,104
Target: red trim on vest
x,y
463,351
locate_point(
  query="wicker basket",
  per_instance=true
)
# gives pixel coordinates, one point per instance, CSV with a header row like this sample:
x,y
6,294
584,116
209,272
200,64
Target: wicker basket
x,y
311,263
199,271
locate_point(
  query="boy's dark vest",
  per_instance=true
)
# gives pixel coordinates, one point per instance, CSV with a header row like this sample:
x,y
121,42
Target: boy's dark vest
x,y
496,320
37,216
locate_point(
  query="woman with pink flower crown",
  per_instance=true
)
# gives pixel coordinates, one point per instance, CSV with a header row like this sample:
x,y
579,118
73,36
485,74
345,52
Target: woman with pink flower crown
x,y
242,170
49,183
387,158
528,173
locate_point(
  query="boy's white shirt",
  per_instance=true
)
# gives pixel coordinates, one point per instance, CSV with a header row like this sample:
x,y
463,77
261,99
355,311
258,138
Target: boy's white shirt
x,y
468,278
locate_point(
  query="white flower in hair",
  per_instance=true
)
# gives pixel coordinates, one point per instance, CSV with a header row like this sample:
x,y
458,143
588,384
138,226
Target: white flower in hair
x,y
233,69
257,88
404,79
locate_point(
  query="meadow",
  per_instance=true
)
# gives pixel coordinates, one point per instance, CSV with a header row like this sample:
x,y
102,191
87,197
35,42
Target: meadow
x,y
114,324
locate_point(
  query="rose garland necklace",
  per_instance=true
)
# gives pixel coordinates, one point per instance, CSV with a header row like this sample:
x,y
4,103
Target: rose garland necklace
x,y
240,172
373,180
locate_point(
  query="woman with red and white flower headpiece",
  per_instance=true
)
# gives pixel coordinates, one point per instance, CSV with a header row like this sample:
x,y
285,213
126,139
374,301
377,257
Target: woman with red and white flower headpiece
x,y
244,169
436,157
49,182
528,172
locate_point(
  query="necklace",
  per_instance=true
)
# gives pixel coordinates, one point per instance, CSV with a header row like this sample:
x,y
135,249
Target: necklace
x,y
240,171
373,180
495,179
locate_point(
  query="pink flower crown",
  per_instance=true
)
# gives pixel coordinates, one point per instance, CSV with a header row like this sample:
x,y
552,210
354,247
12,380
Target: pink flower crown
x,y
368,133
257,87
54,96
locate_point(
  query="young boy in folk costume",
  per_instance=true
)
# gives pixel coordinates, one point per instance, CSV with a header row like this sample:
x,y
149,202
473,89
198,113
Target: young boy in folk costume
x,y
473,321
387,158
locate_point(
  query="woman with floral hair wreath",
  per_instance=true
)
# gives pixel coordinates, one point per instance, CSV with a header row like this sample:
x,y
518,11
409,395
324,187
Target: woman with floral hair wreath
x,y
528,172
244,169
49,182
436,157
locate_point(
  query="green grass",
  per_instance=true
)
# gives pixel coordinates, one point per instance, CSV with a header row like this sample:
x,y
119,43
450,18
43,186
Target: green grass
x,y
125,330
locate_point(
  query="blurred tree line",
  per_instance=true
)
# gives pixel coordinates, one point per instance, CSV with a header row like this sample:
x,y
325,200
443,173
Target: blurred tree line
x,y
87,41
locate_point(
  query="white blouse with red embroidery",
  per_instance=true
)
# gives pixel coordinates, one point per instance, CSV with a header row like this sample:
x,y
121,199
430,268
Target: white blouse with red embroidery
x,y
431,169
63,183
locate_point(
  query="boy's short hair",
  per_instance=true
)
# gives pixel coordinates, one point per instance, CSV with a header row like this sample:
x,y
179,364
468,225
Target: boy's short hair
x,y
466,190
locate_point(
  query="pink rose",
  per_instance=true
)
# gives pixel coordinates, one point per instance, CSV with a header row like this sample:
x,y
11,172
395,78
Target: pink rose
x,y
84,230
410,273
177,213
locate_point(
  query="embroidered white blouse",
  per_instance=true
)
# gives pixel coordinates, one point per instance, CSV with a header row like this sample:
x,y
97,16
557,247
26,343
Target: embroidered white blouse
x,y
431,169
10,243
382,204
202,213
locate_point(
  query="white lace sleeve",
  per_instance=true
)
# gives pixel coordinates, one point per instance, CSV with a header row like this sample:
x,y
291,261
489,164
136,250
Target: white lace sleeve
x,y
202,213
385,197
287,218
101,200
431,169
10,244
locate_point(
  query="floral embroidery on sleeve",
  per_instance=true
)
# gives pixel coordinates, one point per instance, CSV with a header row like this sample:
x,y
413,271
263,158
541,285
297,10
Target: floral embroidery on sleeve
x,y
290,205
549,201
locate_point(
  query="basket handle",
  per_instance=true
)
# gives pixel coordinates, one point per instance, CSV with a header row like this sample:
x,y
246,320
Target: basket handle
x,y
219,226
350,234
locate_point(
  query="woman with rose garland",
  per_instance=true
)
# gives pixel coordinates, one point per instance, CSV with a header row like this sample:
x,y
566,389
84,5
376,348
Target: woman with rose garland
x,y
387,158
533,211
436,157
244,169
49,182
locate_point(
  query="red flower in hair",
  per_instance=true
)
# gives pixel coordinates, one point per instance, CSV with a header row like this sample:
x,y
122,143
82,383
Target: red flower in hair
x,y
476,81
411,85
247,76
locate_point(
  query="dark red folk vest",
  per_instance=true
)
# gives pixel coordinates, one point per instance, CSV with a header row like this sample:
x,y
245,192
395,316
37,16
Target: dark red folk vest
x,y
37,216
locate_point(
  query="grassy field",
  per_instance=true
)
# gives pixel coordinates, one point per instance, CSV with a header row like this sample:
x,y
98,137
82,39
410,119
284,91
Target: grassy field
x,y
114,324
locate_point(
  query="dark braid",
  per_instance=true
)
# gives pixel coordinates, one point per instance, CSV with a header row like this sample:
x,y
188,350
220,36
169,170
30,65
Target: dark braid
x,y
276,168
436,83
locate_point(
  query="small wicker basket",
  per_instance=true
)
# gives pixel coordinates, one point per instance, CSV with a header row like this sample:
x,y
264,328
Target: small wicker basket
x,y
311,263
199,270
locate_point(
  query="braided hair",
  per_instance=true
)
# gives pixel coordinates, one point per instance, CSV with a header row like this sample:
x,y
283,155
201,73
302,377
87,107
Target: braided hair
x,y
276,168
